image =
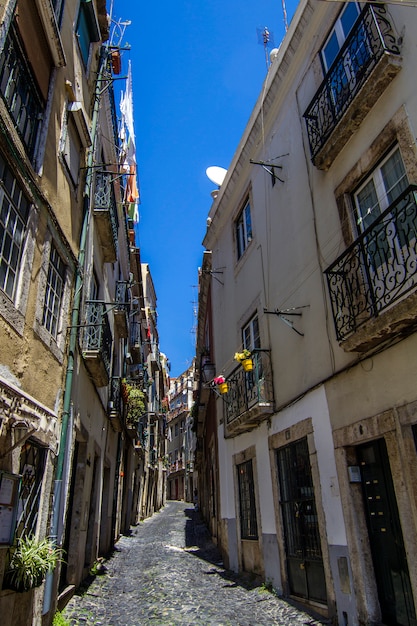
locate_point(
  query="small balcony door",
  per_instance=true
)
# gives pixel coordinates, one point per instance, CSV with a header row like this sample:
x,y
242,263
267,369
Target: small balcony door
x,y
355,56
376,194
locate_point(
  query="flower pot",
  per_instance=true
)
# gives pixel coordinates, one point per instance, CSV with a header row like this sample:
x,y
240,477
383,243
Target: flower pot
x,y
247,365
224,388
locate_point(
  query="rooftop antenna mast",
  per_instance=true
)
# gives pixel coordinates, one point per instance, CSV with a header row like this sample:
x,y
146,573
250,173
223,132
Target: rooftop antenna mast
x,y
266,38
118,28
284,10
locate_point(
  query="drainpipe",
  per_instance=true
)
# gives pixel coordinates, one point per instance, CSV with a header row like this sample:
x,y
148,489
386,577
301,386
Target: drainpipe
x,y
59,484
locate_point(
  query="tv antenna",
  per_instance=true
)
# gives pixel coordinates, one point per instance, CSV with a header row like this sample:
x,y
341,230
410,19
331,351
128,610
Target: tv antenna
x,y
265,38
284,11
118,28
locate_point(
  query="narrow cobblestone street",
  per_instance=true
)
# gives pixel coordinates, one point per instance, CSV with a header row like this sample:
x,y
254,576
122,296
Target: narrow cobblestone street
x,y
168,572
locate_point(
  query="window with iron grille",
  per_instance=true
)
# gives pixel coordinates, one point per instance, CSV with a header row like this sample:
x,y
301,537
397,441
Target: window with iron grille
x,y
20,92
247,504
298,504
243,229
54,293
32,464
14,212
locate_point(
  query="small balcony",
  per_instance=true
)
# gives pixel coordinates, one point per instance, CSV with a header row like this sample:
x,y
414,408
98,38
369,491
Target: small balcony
x,y
176,466
115,406
370,50
154,359
105,214
135,342
373,283
96,343
122,309
250,396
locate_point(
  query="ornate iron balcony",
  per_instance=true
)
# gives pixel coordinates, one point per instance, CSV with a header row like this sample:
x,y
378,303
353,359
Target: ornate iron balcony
x,y
250,397
122,309
97,342
115,412
371,39
19,92
135,342
105,212
378,269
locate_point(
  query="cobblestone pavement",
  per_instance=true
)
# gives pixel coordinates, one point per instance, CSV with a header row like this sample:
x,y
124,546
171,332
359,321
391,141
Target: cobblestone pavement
x,y
167,572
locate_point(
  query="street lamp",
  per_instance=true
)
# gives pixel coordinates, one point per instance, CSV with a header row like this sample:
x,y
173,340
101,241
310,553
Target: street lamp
x,y
208,371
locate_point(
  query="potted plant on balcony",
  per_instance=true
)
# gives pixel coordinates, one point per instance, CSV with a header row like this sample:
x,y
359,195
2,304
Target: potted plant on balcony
x,y
31,560
245,358
135,406
221,383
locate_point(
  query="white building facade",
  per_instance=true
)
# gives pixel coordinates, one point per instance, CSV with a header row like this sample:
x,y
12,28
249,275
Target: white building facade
x,y
314,233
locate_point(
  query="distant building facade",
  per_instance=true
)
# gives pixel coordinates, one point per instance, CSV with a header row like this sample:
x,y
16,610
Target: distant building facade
x,y
181,479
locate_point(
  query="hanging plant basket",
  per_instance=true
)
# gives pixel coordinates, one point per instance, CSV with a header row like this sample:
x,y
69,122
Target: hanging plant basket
x,y
247,365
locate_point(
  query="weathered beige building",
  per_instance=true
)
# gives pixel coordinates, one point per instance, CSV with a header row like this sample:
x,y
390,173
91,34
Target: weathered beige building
x,y
314,234
72,321
153,424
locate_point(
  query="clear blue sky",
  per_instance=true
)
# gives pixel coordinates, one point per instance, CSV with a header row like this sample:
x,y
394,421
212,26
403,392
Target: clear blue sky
x,y
197,72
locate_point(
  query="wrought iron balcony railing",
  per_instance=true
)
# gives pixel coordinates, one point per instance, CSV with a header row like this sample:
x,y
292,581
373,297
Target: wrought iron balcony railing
x,y
378,269
105,212
115,395
115,124
20,93
135,342
115,408
122,309
250,397
371,38
97,342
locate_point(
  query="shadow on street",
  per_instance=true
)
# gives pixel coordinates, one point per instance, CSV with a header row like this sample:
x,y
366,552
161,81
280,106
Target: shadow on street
x,y
199,543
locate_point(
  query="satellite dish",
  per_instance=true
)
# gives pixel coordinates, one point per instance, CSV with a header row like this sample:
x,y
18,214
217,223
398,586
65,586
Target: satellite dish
x,y
216,174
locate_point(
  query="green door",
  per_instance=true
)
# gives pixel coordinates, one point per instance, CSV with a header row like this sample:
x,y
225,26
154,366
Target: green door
x,y
385,536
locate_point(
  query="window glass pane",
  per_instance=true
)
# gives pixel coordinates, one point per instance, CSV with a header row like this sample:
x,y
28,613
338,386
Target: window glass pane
x,y
53,293
256,336
248,223
14,211
368,205
330,50
20,91
243,230
394,176
348,17
83,35
341,30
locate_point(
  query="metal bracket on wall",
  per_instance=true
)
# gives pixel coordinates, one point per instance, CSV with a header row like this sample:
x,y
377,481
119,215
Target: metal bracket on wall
x,y
282,314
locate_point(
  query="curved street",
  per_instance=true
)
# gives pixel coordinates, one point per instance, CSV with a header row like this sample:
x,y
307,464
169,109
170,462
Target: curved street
x,y
168,572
